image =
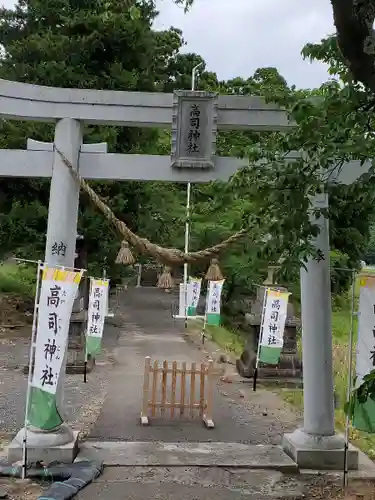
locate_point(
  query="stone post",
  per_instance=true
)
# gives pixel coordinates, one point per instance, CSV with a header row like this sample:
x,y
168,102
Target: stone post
x,y
63,210
316,446
59,444
139,275
64,196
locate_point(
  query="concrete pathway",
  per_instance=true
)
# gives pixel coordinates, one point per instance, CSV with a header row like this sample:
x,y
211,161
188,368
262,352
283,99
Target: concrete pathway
x,y
151,331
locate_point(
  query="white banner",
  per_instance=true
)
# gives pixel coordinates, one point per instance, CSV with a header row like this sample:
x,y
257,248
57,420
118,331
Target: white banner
x,y
213,302
97,307
366,329
274,317
194,291
58,290
364,411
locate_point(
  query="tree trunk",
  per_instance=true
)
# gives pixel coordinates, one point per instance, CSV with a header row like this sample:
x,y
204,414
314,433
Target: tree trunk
x,y
354,20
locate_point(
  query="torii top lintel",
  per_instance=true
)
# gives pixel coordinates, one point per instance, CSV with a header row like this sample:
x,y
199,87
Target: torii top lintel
x,y
22,101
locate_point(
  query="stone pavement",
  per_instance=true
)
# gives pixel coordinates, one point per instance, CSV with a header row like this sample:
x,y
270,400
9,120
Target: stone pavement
x,y
150,330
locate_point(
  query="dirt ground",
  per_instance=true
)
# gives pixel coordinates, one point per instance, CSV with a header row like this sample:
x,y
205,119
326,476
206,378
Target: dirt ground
x,y
18,489
15,312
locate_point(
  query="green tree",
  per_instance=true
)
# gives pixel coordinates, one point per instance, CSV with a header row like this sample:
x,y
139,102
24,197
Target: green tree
x,y
331,128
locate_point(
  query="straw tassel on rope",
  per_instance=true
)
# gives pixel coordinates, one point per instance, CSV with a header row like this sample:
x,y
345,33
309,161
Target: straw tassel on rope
x,y
165,279
171,256
125,255
214,273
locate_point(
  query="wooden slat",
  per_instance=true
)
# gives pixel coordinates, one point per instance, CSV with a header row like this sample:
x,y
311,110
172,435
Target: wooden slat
x,y
210,389
146,385
155,375
178,371
164,388
167,404
192,389
183,386
201,389
173,395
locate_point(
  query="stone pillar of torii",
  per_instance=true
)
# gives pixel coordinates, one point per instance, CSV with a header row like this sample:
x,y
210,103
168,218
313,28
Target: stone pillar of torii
x,y
192,159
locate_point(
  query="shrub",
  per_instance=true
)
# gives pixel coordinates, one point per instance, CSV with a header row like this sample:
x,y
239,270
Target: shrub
x,y
17,278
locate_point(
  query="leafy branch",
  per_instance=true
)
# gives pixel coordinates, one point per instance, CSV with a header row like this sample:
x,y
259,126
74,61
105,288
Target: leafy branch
x,y
361,394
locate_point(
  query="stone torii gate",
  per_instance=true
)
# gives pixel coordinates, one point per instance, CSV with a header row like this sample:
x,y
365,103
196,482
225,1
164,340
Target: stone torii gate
x,y
193,159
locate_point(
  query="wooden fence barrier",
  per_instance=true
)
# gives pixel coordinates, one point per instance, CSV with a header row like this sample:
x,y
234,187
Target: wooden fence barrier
x,y
178,402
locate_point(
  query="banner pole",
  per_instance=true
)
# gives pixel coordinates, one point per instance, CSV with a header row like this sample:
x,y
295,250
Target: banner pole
x,y
187,235
260,340
350,379
86,356
107,300
29,378
203,334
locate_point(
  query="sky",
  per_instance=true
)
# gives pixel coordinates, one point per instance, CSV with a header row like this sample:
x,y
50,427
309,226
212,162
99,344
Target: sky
x,y
235,37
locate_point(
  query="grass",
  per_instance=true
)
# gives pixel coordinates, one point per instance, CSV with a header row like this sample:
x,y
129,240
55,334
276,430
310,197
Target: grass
x,y
231,341
17,279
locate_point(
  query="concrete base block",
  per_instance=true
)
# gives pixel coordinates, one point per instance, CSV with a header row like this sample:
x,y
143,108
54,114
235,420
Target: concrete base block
x,y
209,423
319,453
64,453
144,420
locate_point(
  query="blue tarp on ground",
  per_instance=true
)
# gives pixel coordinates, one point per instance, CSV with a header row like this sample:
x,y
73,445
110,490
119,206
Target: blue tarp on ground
x,y
68,479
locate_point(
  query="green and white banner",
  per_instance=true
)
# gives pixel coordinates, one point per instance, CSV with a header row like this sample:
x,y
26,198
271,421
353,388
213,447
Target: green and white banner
x,y
194,291
272,326
364,414
213,302
98,304
57,293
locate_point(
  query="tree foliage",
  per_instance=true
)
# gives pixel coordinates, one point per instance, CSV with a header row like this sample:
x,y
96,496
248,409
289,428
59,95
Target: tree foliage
x,y
102,45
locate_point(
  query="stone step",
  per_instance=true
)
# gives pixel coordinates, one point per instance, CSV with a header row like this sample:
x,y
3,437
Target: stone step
x,y
212,454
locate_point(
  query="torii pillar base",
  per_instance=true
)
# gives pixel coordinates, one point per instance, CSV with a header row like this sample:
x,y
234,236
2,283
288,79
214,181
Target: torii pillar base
x,y
319,452
45,447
